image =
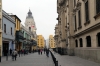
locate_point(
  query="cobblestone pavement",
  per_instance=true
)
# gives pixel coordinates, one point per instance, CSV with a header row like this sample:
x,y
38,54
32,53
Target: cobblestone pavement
x,y
29,60
66,60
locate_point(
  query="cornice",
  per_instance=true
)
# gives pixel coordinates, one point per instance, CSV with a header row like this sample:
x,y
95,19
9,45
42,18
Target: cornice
x,y
87,30
8,17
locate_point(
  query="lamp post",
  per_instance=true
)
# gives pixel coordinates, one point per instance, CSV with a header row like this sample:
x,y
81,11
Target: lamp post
x,y
0,29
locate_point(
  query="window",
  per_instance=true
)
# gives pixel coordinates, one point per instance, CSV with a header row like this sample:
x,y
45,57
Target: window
x,y
81,42
97,6
86,11
75,23
5,28
76,43
17,24
74,3
88,38
79,18
11,30
98,38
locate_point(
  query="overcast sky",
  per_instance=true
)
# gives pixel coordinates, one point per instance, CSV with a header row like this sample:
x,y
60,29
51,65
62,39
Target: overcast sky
x,y
44,13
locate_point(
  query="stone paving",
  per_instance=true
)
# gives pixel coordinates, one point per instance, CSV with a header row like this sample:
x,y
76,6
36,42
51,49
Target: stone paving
x,y
29,60
65,60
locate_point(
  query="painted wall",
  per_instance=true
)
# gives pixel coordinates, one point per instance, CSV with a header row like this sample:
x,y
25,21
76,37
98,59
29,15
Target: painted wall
x,y
7,36
9,24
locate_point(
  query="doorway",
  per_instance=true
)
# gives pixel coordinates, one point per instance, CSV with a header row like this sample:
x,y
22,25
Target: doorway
x,y
5,48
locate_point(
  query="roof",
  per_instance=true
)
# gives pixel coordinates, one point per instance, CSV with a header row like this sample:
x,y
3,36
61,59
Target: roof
x,y
16,17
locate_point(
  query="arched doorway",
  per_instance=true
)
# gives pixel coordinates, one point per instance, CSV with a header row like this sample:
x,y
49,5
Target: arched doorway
x,y
76,42
81,42
88,39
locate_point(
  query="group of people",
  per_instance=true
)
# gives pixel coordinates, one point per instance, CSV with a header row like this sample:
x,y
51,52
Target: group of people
x,y
14,53
45,51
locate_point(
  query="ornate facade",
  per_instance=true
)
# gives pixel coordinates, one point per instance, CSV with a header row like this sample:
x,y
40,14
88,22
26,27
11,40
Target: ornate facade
x,y
81,21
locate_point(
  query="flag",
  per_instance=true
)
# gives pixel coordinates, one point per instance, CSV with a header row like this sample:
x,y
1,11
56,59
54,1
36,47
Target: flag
x,y
32,26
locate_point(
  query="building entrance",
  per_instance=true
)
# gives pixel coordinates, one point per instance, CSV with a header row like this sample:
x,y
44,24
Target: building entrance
x,y
5,48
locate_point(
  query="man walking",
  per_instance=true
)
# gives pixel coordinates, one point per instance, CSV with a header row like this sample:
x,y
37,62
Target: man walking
x,y
47,52
14,55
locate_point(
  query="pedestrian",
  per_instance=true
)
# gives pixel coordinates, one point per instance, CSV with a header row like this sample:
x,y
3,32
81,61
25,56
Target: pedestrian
x,y
24,52
41,51
21,52
44,50
6,53
47,52
14,55
10,51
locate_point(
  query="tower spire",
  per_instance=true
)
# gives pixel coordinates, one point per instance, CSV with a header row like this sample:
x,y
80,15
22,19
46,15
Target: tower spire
x,y
29,14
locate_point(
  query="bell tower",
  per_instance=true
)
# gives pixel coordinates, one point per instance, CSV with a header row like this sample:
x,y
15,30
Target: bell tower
x,y
29,22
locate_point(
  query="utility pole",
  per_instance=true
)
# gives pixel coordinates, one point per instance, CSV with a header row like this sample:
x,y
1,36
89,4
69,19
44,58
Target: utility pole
x,y
0,29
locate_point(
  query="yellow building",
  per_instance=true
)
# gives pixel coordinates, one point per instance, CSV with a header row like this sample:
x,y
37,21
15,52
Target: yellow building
x,y
40,41
51,41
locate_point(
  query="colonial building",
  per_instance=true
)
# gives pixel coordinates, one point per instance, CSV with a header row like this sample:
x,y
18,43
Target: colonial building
x,y
62,19
57,45
82,20
86,15
51,42
31,27
27,38
8,30
40,41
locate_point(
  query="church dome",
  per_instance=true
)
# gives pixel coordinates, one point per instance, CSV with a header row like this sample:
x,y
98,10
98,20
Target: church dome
x,y
29,14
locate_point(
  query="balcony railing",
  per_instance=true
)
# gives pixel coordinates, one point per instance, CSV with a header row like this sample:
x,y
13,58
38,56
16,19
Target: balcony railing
x,y
19,35
34,43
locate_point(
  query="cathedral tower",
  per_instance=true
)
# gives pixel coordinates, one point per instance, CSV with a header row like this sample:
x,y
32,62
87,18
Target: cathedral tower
x,y
29,22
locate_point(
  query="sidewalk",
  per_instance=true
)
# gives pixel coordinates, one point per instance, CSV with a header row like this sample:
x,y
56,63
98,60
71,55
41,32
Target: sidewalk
x,y
29,60
66,60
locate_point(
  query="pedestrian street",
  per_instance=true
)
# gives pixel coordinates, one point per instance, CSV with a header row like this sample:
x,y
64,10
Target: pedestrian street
x,y
32,59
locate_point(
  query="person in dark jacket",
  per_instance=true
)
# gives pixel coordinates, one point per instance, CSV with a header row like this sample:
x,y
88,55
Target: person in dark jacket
x,y
47,52
10,51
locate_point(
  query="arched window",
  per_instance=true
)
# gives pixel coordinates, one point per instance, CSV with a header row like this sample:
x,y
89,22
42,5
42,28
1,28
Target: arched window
x,y
81,42
76,43
98,39
88,39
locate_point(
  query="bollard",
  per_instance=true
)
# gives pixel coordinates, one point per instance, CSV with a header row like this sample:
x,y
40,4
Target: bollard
x,y
54,60
56,63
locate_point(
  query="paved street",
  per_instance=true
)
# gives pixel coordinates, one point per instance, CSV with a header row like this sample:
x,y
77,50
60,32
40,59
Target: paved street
x,y
66,60
42,60
29,60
